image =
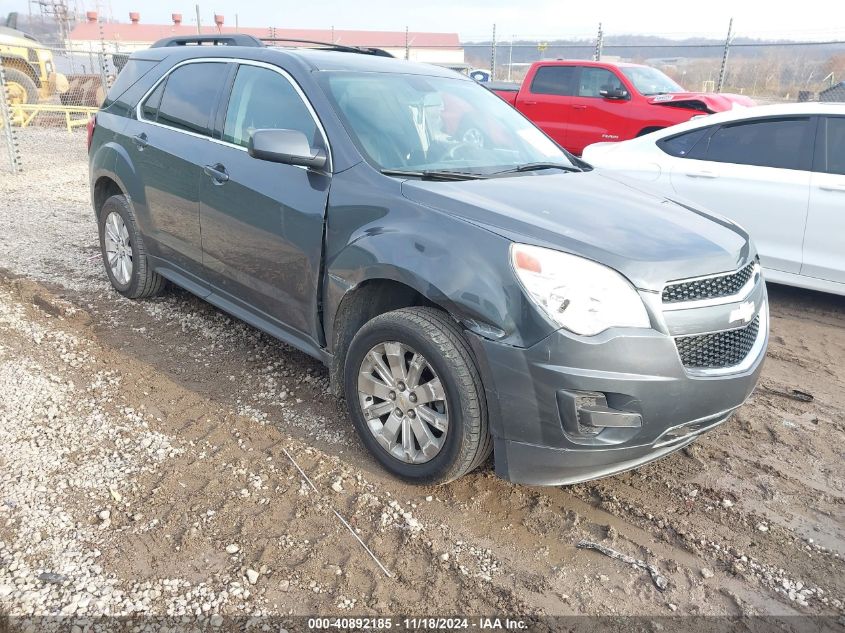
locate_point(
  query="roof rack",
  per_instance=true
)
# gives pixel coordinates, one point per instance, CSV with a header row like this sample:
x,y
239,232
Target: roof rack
x,y
234,39
361,50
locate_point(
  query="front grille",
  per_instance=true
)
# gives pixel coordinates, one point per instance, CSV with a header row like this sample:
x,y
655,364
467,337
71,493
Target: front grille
x,y
709,288
718,350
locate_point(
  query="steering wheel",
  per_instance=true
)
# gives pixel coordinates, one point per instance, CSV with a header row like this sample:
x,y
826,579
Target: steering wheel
x,y
461,150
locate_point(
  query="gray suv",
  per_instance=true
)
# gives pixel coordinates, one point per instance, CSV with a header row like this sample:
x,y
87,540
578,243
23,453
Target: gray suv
x,y
472,287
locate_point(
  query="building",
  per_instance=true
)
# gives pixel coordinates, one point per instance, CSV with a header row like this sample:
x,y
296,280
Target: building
x,y
89,36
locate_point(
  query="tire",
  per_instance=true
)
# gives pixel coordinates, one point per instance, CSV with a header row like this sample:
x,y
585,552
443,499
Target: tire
x,y
431,333
20,85
648,130
141,281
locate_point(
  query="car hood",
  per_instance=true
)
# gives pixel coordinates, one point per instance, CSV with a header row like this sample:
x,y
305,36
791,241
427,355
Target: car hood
x,y
709,101
648,238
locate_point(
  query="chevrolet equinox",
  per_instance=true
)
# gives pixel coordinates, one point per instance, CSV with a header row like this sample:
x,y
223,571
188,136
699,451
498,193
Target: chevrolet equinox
x,y
472,287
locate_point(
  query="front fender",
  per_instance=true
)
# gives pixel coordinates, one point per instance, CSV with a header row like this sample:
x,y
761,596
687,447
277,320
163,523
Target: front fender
x,y
376,233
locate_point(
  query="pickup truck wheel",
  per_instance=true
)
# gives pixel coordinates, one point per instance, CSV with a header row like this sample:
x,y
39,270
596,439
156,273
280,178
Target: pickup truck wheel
x,y
648,130
124,254
415,396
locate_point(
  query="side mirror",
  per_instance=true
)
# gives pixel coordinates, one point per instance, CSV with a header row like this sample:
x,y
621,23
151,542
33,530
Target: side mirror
x,y
290,147
616,94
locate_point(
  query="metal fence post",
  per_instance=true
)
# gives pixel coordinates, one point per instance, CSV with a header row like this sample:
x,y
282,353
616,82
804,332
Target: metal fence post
x,y
599,44
724,68
9,134
104,82
493,56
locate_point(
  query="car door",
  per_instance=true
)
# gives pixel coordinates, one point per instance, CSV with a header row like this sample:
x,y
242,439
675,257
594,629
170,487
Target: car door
x,y
824,240
262,222
757,174
596,118
167,144
548,100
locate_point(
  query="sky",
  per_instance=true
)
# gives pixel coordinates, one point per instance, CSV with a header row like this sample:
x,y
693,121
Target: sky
x,y
474,19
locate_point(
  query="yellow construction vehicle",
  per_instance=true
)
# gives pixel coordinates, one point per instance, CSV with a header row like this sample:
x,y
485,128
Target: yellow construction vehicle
x,y
30,73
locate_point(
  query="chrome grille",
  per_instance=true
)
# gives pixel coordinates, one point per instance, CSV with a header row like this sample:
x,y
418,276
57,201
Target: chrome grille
x,y
708,288
719,349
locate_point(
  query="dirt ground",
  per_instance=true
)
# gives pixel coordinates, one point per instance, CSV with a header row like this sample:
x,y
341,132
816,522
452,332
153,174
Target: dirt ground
x,y
147,457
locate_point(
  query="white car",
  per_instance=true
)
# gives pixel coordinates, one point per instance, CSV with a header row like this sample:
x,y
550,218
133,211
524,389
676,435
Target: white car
x,y
778,171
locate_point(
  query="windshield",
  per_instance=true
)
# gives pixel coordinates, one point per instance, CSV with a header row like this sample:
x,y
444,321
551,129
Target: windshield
x,y
650,81
423,124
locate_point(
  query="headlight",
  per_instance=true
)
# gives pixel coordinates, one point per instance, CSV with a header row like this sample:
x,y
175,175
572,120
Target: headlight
x,y
578,294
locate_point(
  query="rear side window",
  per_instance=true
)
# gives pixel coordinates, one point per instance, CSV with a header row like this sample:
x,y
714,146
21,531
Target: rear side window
x,y
262,98
190,97
128,75
833,146
555,80
681,145
780,143
593,80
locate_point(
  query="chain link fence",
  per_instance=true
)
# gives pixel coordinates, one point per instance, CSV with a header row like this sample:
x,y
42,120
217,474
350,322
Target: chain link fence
x,y
766,72
61,87
51,87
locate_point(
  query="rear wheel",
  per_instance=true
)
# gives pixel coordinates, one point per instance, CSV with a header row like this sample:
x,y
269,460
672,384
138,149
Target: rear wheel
x,y
124,253
20,86
415,396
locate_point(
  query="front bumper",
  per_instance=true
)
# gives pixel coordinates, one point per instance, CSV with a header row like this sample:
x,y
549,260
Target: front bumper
x,y
662,405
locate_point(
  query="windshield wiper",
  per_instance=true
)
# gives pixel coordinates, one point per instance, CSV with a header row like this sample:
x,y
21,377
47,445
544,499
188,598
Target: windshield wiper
x,y
434,174
537,166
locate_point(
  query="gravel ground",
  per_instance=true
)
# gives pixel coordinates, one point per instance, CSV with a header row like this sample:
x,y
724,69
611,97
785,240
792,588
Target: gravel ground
x,y
148,450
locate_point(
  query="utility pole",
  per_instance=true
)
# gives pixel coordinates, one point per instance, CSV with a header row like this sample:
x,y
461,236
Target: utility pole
x,y
724,68
599,44
493,56
407,44
199,24
236,21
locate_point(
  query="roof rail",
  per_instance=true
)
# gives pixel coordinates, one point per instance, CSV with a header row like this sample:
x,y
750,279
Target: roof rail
x,y
233,39
362,50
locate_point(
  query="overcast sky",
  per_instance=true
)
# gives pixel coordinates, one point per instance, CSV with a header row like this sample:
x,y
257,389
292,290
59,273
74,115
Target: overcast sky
x,y
473,19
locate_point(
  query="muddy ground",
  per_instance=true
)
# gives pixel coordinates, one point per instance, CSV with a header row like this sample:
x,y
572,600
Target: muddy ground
x,y
147,449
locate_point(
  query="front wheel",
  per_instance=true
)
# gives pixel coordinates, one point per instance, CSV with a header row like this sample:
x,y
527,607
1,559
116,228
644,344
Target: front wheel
x,y
415,396
20,86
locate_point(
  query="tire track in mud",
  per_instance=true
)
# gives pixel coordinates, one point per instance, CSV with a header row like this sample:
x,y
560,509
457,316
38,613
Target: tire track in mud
x,y
529,533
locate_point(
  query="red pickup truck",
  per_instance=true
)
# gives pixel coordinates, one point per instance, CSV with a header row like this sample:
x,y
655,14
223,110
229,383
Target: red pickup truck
x,y
578,103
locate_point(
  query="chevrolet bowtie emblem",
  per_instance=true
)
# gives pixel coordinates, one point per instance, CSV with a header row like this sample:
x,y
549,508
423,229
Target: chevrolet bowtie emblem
x,y
743,313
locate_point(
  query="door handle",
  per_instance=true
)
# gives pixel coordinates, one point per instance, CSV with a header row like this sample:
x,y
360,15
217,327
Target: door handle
x,y
579,107
217,172
702,174
525,102
833,186
141,140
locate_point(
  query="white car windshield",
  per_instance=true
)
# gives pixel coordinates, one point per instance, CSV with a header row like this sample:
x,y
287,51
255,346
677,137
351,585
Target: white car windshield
x,y
425,124
650,81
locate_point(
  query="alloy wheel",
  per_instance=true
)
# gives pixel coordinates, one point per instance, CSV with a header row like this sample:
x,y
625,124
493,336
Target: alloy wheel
x,y
403,402
118,248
